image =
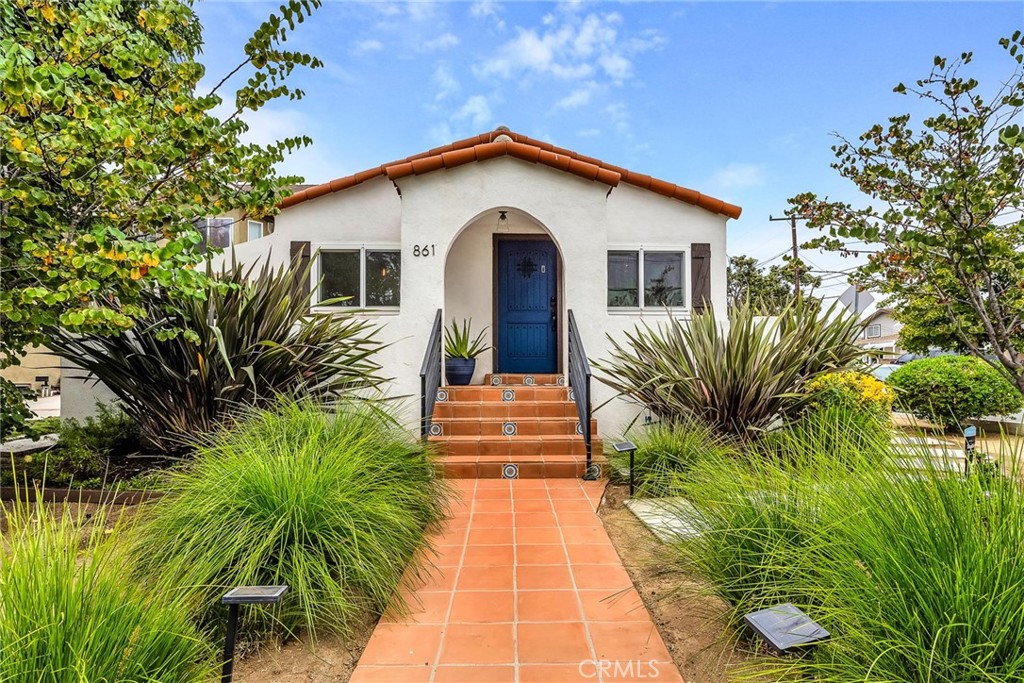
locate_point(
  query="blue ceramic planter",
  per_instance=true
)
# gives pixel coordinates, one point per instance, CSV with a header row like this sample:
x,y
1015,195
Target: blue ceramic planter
x,y
459,371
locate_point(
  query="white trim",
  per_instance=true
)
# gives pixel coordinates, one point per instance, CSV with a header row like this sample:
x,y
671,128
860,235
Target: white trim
x,y
249,225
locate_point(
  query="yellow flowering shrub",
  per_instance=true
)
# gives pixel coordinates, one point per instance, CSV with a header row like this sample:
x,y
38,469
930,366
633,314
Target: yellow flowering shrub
x,y
852,389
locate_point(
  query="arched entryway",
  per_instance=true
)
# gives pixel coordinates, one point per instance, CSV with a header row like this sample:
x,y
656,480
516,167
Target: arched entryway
x,y
504,271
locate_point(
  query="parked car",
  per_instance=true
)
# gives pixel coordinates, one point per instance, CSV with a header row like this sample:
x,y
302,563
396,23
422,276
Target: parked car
x,y
883,371
932,353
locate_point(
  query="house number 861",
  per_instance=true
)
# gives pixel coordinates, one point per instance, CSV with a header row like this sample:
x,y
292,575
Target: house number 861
x,y
423,250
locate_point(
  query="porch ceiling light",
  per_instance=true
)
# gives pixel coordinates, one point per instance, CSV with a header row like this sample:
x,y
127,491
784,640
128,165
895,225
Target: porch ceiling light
x,y
785,628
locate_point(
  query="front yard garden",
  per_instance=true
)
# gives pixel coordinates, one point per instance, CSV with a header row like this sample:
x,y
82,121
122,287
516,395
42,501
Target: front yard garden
x,y
798,488
278,464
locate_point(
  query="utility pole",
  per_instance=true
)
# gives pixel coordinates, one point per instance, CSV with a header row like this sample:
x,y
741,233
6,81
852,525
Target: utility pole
x,y
796,263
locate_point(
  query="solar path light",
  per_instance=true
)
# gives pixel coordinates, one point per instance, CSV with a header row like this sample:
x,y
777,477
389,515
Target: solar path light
x,y
785,628
244,595
970,447
630,447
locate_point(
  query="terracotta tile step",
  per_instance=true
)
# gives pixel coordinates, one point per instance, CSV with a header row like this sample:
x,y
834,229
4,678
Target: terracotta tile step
x,y
492,467
522,427
521,379
506,446
508,394
499,409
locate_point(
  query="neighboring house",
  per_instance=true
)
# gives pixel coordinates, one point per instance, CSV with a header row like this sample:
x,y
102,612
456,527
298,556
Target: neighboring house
x,y
513,233
39,370
881,332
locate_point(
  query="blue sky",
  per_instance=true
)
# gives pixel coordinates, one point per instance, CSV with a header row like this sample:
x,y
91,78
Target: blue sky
x,y
734,99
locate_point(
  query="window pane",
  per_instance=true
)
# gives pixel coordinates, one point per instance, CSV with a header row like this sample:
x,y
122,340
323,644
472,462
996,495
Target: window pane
x,y
216,233
339,276
255,230
383,278
623,278
663,278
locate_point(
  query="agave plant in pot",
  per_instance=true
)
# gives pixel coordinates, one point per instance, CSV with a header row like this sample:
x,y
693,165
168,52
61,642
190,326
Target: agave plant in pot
x,y
460,352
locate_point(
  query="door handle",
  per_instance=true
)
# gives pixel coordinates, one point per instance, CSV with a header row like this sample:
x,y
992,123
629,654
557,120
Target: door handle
x,y
553,306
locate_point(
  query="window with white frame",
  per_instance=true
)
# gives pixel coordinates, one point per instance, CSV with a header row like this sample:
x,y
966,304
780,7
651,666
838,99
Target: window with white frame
x,y
255,229
360,278
661,272
874,331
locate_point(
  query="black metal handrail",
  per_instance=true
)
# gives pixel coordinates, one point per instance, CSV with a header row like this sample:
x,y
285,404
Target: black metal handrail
x,y
579,381
430,376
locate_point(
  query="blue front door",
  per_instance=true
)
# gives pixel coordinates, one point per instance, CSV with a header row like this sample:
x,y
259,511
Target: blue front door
x,y
527,321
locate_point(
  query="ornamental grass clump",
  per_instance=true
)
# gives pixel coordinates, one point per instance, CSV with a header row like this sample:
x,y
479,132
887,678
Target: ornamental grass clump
x,y
69,612
918,574
333,502
666,451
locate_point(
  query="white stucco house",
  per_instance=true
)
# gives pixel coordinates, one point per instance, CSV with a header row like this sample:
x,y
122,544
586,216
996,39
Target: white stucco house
x,y
514,233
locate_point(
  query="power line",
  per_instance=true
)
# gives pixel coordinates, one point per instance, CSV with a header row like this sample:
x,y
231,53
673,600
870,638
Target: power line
x,y
767,261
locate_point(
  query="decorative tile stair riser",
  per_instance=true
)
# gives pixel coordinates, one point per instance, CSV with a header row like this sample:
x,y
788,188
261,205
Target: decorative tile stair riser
x,y
534,426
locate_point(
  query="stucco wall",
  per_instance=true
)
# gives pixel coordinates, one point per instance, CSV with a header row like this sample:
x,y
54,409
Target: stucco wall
x,y
78,395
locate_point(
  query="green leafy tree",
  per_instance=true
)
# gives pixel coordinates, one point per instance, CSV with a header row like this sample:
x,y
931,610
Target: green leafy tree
x,y
110,151
947,244
769,291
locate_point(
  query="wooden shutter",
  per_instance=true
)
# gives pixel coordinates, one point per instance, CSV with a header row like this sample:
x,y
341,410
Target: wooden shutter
x,y
700,276
300,260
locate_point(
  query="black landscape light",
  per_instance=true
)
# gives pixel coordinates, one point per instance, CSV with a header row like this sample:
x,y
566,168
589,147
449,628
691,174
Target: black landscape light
x,y
630,447
785,628
244,595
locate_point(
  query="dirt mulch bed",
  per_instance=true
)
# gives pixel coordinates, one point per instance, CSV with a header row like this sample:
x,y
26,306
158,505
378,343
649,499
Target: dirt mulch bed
x,y
332,660
691,622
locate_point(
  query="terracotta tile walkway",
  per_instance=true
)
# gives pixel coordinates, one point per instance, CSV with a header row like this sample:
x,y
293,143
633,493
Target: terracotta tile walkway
x,y
527,588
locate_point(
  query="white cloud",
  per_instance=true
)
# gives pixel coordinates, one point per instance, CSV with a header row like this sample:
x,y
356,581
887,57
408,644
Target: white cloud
x,y
595,32
270,125
267,126
618,114
442,42
476,111
362,47
421,10
570,46
617,67
484,8
445,81
588,132
339,73
578,97
737,175
647,40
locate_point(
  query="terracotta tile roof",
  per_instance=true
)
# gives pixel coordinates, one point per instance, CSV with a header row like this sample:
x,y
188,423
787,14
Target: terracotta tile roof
x,y
489,145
